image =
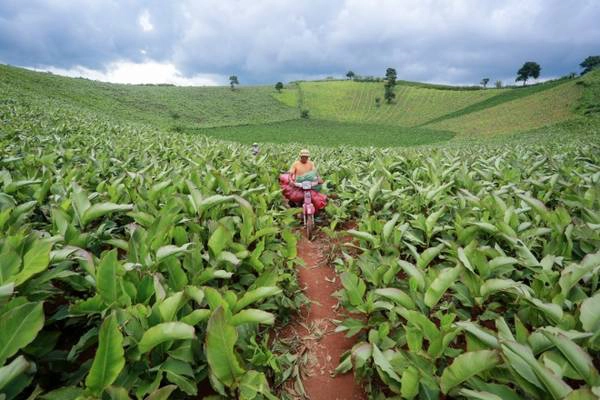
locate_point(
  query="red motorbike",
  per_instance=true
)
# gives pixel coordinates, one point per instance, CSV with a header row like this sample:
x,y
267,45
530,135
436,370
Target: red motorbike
x,y
308,209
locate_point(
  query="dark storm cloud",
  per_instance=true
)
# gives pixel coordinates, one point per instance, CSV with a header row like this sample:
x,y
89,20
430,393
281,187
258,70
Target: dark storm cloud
x,y
269,40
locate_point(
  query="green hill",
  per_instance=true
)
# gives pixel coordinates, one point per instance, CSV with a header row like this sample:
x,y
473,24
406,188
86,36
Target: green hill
x,y
464,112
340,112
165,106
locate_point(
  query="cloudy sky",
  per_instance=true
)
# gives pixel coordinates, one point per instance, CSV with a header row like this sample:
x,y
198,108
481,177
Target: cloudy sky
x,y
202,42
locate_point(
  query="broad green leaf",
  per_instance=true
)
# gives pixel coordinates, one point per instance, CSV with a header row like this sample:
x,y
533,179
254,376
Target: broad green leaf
x,y
355,288
414,273
574,272
7,290
291,241
362,236
64,393
466,366
168,307
99,210
472,394
410,383
164,332
109,359
162,394
482,335
19,326
389,226
577,357
80,201
589,314
219,240
220,354
11,371
252,315
491,286
553,311
522,360
117,393
252,296
441,283
196,316
107,281
253,384
397,296
428,255
35,261
382,362
582,394
171,250
213,201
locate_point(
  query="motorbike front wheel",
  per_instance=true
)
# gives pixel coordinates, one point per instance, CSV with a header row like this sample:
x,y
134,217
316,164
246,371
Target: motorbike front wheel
x,y
310,226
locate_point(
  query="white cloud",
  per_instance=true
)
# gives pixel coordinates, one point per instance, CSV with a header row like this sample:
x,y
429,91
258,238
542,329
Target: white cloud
x,y
137,73
262,41
144,21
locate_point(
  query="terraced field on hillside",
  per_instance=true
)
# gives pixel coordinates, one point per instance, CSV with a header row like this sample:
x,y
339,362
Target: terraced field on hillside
x,y
464,112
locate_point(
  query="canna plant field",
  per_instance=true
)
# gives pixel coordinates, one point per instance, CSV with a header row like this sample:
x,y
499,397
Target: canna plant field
x,y
139,263
135,265
474,274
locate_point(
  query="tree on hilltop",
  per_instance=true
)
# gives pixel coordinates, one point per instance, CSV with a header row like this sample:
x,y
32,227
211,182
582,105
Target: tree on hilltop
x,y
279,86
390,83
350,75
529,70
590,63
390,76
233,80
484,82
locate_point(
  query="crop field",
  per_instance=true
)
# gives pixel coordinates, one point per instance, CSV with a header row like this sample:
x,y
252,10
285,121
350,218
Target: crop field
x,y
355,102
138,262
460,111
163,106
328,133
548,107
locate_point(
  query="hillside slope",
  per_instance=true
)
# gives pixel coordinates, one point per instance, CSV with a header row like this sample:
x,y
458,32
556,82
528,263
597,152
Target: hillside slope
x,y
465,112
164,106
341,112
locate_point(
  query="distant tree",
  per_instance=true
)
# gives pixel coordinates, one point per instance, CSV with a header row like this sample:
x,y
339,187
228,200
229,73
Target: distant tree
x,y
390,83
390,76
279,86
350,75
233,80
529,70
590,63
377,101
484,82
498,84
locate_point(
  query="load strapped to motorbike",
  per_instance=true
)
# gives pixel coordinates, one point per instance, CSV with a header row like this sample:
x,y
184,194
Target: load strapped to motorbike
x,y
294,191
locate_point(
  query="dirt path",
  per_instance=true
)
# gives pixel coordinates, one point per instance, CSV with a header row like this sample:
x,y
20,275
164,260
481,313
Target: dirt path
x,y
322,345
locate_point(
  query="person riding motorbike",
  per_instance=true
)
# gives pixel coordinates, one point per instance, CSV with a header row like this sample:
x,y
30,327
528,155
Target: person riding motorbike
x,y
302,170
303,166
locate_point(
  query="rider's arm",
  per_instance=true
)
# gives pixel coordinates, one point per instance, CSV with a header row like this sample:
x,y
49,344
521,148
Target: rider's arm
x,y
293,172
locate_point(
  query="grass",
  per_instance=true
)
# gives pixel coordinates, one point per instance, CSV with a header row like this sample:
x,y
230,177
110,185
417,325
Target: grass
x,y
503,97
528,112
349,101
466,112
163,106
342,112
329,133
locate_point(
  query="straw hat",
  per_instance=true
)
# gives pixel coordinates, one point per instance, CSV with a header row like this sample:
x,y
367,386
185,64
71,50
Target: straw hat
x,y
304,153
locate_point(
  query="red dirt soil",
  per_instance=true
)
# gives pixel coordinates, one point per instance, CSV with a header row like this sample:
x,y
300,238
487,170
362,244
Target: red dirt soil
x,y
320,281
